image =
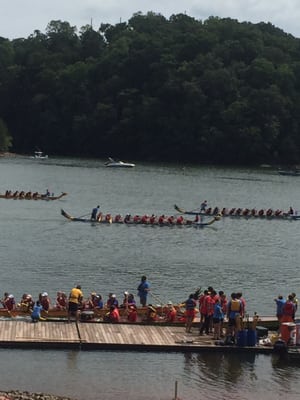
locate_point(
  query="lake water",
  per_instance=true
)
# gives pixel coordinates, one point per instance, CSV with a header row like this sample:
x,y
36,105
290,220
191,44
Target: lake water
x,y
42,251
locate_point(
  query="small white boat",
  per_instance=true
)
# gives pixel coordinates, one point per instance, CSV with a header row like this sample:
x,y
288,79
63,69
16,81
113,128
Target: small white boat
x,y
118,164
39,155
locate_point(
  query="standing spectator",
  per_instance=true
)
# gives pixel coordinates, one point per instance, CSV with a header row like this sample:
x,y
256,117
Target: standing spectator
x,y
234,308
279,307
218,317
75,300
143,290
190,307
288,310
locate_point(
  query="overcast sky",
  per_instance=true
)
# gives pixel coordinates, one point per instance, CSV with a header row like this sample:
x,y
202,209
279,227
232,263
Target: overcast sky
x,y
20,18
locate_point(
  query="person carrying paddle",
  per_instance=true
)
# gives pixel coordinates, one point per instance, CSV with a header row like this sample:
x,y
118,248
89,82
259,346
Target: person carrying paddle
x,y
143,289
203,206
94,213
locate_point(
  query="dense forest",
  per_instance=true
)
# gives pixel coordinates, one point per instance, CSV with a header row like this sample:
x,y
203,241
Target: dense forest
x,y
216,91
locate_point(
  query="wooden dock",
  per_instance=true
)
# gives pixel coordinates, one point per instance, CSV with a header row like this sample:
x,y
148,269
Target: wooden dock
x,y
106,336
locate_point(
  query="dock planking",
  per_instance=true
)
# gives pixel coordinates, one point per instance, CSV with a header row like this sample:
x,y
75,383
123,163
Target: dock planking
x,y
106,336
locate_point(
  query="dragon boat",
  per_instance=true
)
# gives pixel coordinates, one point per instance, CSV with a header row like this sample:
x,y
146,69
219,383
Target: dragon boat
x,y
143,220
241,212
151,314
30,196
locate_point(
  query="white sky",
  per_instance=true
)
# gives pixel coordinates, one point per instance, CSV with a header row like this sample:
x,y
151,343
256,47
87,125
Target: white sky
x,y
20,18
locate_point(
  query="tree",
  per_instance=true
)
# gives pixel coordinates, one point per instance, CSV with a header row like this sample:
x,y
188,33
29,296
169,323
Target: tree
x,y
5,138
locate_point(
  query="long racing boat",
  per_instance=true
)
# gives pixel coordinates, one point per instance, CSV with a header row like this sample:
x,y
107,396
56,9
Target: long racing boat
x,y
30,196
144,220
151,314
242,212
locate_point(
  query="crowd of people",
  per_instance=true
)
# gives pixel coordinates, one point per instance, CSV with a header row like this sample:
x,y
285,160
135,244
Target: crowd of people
x,y
74,303
213,307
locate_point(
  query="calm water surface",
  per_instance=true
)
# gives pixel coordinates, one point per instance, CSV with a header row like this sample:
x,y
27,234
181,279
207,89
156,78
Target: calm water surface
x,y
41,251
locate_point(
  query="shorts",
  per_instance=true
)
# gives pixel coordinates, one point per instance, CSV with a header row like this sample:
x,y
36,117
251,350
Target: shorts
x,y
216,320
232,322
73,307
190,313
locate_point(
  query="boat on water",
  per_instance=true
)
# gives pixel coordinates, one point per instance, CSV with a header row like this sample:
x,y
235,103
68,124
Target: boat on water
x,y
289,172
21,195
39,155
143,220
111,163
150,314
242,212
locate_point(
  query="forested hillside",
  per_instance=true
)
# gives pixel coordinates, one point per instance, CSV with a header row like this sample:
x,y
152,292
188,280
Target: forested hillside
x,y
178,89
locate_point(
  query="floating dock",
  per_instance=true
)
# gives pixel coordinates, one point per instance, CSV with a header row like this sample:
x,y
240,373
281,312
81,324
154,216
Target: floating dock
x,y
106,336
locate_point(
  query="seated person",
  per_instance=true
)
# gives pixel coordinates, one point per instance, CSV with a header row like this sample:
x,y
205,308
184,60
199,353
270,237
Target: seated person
x,y
36,312
26,303
151,315
45,301
112,300
8,302
61,301
171,312
132,314
114,315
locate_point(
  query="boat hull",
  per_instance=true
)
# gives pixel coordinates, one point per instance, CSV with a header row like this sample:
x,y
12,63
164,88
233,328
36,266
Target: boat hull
x,y
27,196
116,220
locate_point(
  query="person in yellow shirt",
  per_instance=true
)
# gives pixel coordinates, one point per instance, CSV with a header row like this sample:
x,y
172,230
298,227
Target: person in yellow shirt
x,y
75,300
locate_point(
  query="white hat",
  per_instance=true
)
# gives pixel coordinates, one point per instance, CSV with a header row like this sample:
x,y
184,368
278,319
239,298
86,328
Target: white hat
x,y
169,303
113,296
11,296
44,294
126,293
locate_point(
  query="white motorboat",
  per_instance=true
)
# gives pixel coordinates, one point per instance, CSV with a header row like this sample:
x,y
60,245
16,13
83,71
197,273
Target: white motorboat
x,y
39,155
118,164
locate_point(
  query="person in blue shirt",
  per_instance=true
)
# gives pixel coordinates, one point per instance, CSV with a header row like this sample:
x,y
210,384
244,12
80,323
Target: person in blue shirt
x,y
280,301
143,290
36,312
94,213
218,317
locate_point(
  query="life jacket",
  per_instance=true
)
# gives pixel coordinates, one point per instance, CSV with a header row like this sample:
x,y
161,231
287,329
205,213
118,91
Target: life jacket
x,y
253,211
289,308
232,211
108,217
235,305
261,212
179,220
118,218
136,218
208,211
161,219
152,219
269,212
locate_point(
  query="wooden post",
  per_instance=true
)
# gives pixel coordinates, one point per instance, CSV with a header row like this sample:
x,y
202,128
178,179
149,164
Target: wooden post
x,y
176,387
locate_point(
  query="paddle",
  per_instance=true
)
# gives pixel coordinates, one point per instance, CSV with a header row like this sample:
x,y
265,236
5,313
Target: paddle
x,y
83,216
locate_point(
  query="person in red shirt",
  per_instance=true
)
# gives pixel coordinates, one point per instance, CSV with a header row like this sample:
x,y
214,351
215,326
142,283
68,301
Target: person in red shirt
x,y
114,315
9,302
132,314
171,313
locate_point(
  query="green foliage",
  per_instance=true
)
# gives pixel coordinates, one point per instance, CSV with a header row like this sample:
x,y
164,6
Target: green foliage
x,y
5,138
177,89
